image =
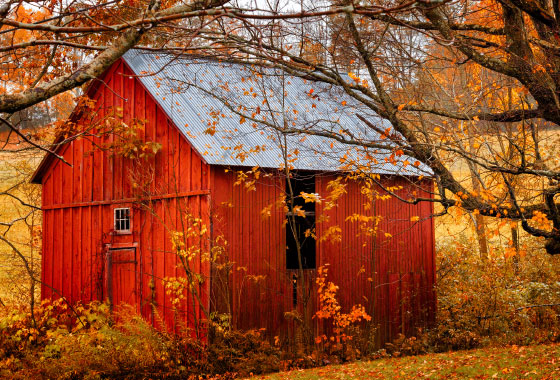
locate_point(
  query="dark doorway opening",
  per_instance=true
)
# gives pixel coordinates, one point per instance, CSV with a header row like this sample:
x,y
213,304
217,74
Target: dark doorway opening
x,y
304,227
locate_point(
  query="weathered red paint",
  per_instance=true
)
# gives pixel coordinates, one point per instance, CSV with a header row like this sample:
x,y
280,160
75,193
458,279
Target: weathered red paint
x,y
78,205
393,277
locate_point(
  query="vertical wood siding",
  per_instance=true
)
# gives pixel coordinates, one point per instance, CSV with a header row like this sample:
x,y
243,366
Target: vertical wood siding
x,y
256,245
78,204
391,275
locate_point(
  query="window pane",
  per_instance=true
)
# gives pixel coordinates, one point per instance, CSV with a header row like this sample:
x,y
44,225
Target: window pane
x,y
122,219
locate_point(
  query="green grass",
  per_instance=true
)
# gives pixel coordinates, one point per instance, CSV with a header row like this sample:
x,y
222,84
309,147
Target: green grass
x,y
533,362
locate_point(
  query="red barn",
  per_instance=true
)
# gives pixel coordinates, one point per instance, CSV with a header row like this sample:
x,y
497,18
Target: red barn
x,y
123,223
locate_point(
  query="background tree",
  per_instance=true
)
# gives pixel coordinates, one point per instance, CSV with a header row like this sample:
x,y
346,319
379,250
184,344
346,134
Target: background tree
x,y
509,145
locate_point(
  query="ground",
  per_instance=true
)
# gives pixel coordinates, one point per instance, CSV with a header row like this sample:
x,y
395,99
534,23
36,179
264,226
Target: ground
x,y
513,362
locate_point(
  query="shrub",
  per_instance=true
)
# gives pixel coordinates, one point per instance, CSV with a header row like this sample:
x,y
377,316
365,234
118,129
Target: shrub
x,y
242,353
501,300
504,299
90,342
405,346
129,349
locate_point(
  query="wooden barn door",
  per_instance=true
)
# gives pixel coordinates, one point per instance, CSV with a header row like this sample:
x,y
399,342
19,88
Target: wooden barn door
x,y
122,276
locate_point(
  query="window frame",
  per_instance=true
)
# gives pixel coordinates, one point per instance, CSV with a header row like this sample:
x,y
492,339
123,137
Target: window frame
x,y
115,220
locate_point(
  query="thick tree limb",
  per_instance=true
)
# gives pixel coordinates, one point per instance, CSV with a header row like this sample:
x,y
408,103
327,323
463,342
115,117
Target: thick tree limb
x,y
10,103
24,45
504,117
533,9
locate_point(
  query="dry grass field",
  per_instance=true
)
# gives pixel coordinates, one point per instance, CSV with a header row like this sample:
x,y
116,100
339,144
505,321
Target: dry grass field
x,y
456,225
19,224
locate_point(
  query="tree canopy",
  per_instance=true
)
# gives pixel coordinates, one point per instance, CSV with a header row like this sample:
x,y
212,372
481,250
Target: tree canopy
x,y
470,88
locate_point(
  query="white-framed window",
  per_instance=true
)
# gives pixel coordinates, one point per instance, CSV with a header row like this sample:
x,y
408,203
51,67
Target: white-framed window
x,y
122,221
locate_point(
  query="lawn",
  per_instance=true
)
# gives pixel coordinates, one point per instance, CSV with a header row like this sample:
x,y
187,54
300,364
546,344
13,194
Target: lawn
x,y
533,362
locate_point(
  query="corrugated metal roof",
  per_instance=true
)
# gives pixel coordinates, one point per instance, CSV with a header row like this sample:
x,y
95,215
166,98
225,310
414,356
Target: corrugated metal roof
x,y
205,98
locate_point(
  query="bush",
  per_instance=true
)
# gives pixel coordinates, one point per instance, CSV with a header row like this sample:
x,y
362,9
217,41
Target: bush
x,y
242,353
406,346
89,342
501,300
505,299
446,338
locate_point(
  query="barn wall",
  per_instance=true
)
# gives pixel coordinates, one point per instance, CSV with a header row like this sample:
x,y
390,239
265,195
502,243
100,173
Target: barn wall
x,y
260,289
392,277
391,274
78,203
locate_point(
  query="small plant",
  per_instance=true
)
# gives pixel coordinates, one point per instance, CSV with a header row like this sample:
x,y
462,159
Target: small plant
x,y
241,352
406,346
345,326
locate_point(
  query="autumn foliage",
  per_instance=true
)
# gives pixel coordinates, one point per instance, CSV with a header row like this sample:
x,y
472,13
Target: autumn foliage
x,y
467,88
331,311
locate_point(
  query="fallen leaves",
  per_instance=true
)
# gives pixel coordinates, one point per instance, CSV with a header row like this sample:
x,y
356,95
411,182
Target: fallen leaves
x,y
537,362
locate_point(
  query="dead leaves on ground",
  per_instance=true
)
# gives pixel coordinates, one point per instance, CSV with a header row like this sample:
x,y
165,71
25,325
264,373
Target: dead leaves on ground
x,y
513,362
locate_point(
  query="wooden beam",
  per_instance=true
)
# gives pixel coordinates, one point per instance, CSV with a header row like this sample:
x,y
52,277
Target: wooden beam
x,y
185,194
